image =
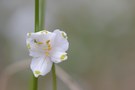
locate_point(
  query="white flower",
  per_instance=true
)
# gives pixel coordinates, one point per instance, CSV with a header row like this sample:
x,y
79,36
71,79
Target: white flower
x,y
46,47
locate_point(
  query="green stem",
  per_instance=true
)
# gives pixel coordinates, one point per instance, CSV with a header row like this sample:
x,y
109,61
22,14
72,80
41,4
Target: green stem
x,y
54,77
42,14
34,79
34,83
37,15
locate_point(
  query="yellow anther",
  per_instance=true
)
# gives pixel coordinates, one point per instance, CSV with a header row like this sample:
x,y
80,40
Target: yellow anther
x,y
44,31
44,48
37,42
28,46
48,44
64,35
49,47
63,57
29,34
37,72
47,53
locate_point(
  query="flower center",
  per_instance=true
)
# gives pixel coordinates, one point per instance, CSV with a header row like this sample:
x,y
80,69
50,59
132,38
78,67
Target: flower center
x,y
35,41
48,47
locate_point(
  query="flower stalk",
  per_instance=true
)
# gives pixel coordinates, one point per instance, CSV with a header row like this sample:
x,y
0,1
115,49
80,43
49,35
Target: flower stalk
x,y
37,15
54,77
34,83
34,79
42,14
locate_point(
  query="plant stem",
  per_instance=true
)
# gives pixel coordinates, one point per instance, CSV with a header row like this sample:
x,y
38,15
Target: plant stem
x,y
37,15
34,79
42,14
34,83
39,25
54,77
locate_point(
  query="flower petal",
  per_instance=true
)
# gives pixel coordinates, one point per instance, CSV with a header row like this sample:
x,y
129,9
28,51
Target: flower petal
x,y
36,53
41,66
60,41
37,34
58,57
39,37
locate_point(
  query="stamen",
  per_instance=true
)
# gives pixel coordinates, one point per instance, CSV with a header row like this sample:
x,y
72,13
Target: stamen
x,y
47,53
44,31
64,35
48,44
63,57
29,34
37,72
39,42
28,46
35,41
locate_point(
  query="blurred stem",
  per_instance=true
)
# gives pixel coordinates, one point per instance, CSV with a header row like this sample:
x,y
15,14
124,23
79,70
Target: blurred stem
x,y
42,14
37,15
39,25
34,83
54,77
34,79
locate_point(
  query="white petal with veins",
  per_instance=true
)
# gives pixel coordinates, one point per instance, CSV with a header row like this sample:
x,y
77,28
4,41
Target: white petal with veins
x,y
41,66
58,57
60,43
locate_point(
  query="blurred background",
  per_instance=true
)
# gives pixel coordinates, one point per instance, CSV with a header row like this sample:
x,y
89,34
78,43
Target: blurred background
x,y
101,35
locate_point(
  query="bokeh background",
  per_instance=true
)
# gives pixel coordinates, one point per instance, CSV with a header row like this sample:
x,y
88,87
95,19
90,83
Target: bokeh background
x,y
101,35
